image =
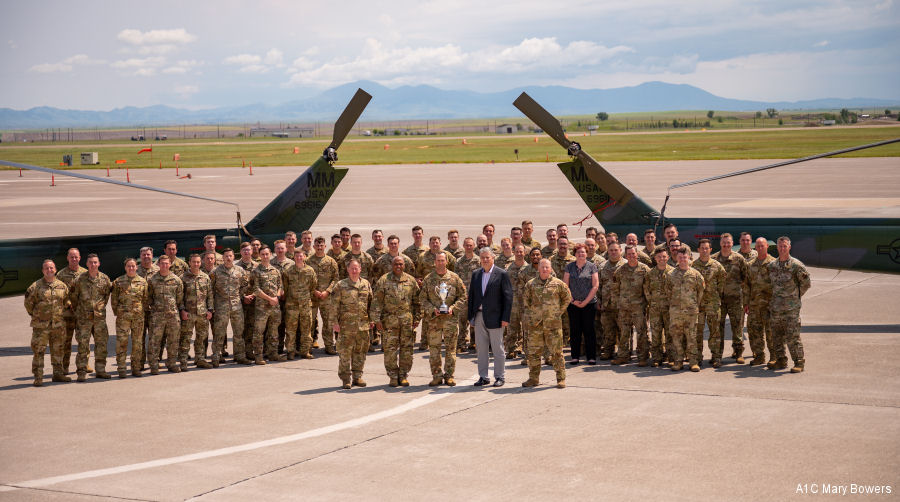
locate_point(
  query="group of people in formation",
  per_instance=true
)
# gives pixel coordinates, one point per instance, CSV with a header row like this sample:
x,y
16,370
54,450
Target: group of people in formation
x,y
607,300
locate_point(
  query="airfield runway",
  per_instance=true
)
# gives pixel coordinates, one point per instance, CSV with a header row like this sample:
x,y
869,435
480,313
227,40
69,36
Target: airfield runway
x,y
284,431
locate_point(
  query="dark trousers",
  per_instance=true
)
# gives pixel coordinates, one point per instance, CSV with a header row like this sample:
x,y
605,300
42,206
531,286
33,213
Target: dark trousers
x,y
581,325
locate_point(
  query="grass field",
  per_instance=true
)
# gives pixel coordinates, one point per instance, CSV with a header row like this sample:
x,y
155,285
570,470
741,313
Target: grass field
x,y
693,145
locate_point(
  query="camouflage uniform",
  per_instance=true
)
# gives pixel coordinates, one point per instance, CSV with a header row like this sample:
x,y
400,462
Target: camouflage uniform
x,y
512,339
559,270
266,317
374,253
685,291
530,244
749,256
396,307
759,330
597,260
198,300
248,308
326,270
425,266
177,266
790,281
645,258
227,286
503,261
147,274
545,300
47,304
526,274
464,269
735,298
631,288
67,276
658,312
129,299
442,327
337,257
166,300
281,266
412,252
365,262
609,317
299,284
548,251
385,262
714,276
350,311
457,253
89,297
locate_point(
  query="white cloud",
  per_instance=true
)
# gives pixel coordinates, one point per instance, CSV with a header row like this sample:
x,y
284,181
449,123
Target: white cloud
x,y
182,67
823,43
186,91
255,68
143,67
274,57
243,59
156,37
157,49
66,65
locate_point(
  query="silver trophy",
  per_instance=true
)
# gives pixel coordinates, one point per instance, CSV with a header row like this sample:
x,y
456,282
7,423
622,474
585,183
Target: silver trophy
x,y
443,291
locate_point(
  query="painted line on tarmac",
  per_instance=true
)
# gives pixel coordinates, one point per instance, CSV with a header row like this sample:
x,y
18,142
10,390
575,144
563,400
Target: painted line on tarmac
x,y
321,431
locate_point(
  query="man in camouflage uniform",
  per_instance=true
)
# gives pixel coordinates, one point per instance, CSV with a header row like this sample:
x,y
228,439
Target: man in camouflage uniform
x,y
684,287
714,276
384,264
350,311
248,304
356,253
658,310
592,255
759,330
256,245
527,230
548,250
424,266
208,262
558,261
466,264
179,267
417,247
326,270
68,275
306,243
515,238
488,231
608,301
632,240
89,296
166,293
442,327
526,274
46,301
506,255
630,285
512,337
281,263
590,233
146,270
378,248
300,283
396,313
209,245
790,281
290,244
736,298
228,284
129,298
545,299
650,243
746,249
336,252
265,282
345,239
454,247
196,311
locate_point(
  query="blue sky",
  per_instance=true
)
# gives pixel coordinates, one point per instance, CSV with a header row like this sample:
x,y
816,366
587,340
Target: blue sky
x,y
104,55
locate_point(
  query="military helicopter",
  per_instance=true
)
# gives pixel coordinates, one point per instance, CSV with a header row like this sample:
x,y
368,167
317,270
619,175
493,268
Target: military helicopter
x,y
295,208
866,244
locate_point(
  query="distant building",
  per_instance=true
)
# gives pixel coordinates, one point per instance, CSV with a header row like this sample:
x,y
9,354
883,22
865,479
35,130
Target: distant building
x,y
828,122
506,129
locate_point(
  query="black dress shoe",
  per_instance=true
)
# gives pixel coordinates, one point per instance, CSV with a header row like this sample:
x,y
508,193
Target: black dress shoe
x,y
482,381
499,382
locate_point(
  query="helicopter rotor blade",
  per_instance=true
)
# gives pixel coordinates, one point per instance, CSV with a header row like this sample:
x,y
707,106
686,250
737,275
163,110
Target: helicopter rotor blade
x,y
542,118
349,116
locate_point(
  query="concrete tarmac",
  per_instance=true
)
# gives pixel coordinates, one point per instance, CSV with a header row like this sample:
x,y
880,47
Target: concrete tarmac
x,y
285,431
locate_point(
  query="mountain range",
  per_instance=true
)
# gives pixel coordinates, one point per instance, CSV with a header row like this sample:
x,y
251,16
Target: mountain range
x,y
426,102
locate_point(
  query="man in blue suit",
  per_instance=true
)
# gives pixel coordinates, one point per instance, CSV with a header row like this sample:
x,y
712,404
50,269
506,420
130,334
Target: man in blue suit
x,y
490,305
